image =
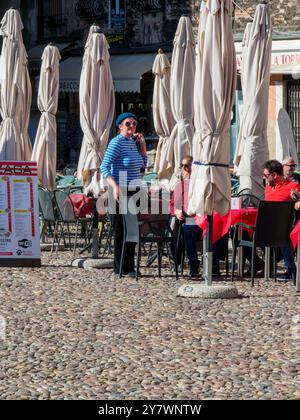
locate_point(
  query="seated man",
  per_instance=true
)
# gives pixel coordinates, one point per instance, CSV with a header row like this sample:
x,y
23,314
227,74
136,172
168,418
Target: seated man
x,y
289,167
191,232
279,188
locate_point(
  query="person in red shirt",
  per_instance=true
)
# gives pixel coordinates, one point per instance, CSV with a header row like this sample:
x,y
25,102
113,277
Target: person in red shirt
x,y
279,188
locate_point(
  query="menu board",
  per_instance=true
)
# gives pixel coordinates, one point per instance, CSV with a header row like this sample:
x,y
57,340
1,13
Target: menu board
x,y
19,215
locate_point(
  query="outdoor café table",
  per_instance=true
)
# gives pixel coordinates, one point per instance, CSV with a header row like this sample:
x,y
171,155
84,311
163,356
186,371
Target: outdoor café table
x,y
296,244
221,224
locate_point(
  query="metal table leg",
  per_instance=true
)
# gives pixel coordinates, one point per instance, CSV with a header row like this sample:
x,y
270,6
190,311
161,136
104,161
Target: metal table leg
x,y
267,262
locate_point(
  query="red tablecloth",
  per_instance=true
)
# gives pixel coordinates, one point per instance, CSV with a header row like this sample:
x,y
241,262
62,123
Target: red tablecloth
x,y
78,201
221,224
295,234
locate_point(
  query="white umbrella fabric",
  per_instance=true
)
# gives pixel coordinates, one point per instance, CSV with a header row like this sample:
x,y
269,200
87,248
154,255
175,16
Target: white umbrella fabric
x,y
97,103
24,116
182,93
44,150
162,113
214,93
252,146
12,59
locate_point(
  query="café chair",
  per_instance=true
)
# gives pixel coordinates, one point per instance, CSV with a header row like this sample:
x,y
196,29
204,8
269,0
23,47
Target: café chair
x,y
154,230
49,216
272,229
248,200
69,219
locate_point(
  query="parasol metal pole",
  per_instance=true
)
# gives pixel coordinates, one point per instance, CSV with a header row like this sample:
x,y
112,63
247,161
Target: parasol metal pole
x,y
267,262
209,251
95,247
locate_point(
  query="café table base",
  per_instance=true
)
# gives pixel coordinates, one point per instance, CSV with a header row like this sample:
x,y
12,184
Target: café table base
x,y
48,247
219,291
93,263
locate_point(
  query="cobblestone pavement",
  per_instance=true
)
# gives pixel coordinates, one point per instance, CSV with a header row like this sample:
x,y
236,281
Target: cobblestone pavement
x,y
82,334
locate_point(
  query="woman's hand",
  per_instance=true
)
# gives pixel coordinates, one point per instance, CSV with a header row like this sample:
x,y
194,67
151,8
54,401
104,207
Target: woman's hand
x,y
116,192
115,187
141,139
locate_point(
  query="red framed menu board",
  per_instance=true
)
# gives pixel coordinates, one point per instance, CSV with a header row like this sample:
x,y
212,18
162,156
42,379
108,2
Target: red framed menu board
x,y
19,215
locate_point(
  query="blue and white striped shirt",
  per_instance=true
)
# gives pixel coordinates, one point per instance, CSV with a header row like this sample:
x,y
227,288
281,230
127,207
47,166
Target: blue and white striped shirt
x,y
123,162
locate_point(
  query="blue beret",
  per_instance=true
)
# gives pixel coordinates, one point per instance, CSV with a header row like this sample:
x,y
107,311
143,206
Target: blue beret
x,y
123,117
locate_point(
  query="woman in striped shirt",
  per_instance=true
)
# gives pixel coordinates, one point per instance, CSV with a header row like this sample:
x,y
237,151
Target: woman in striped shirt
x,y
121,167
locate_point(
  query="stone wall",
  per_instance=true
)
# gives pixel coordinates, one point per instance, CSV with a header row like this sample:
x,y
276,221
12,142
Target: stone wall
x,y
285,14
73,19
148,22
154,22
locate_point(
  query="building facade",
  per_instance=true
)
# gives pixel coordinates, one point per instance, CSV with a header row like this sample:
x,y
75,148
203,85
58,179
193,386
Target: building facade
x,y
135,30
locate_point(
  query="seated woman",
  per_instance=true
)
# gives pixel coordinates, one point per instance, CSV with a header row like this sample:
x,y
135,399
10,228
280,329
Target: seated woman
x,y
192,232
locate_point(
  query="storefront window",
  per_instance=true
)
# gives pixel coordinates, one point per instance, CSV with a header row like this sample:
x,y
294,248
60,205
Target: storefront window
x,y
293,108
117,15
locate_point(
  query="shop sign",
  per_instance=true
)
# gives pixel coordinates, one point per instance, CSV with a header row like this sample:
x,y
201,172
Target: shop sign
x,y
69,85
277,59
19,215
116,39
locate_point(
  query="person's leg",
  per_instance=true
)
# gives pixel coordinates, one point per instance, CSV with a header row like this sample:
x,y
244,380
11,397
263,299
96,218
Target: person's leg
x,y
129,257
288,260
118,240
191,234
218,253
118,228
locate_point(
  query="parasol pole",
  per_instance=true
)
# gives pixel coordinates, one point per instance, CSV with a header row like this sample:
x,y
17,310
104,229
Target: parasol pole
x,y
209,251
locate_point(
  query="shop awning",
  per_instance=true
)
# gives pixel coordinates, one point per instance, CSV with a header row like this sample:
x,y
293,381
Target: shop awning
x,y
35,53
126,69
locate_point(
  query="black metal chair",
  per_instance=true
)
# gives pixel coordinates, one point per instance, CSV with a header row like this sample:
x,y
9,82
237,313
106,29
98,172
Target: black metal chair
x,y
154,229
49,217
248,200
179,248
68,218
272,229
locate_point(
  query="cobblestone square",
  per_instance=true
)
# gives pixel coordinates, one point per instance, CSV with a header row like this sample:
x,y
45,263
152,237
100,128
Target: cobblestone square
x,y
70,333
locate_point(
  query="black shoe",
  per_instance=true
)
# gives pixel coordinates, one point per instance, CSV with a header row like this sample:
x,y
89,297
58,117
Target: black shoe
x,y
194,268
286,276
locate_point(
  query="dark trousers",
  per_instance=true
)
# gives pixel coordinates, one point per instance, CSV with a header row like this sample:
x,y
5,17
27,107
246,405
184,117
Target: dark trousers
x,y
118,229
193,233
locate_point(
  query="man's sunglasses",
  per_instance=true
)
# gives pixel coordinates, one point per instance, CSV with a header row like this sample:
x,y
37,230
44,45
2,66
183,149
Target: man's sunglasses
x,y
131,124
267,175
185,165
